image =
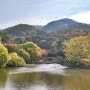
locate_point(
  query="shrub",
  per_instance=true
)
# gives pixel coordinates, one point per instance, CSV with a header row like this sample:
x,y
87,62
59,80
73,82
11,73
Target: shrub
x,y
25,55
12,47
85,62
15,60
33,50
3,55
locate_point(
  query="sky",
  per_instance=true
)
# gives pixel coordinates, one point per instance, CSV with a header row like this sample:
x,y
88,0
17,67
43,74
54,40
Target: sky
x,y
41,12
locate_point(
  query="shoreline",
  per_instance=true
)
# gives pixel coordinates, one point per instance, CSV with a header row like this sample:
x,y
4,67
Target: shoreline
x,y
69,66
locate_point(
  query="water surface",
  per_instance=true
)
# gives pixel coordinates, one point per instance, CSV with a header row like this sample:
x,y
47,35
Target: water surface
x,y
44,77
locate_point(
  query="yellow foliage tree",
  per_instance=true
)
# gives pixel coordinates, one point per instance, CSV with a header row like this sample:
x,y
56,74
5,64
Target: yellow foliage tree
x,y
33,49
78,50
3,55
15,60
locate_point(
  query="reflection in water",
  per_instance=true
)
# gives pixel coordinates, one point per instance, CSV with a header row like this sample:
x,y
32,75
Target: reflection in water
x,y
3,77
73,79
49,68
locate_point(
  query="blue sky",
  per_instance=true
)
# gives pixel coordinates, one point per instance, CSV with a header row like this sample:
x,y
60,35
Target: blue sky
x,y
40,12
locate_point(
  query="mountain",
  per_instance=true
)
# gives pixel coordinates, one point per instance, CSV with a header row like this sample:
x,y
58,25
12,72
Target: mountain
x,y
59,24
71,31
49,36
65,28
23,30
38,26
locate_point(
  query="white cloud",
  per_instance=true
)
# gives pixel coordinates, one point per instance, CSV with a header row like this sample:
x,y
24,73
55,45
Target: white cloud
x,y
30,21
82,17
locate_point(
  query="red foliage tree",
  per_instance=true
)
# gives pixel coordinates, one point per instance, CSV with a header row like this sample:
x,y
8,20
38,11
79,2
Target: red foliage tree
x,y
12,47
45,52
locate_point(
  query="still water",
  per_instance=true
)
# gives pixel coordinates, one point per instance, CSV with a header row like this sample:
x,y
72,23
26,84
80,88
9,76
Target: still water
x,y
44,77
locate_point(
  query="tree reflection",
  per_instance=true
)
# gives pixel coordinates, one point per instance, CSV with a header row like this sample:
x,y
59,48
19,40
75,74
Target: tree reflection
x,y
24,79
71,81
3,76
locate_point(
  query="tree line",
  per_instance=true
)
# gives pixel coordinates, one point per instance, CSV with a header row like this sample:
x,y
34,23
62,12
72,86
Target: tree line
x,y
19,54
76,51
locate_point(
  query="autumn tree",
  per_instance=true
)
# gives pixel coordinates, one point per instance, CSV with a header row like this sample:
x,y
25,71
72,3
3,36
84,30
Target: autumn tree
x,y
3,55
12,47
25,55
44,52
15,60
33,50
78,50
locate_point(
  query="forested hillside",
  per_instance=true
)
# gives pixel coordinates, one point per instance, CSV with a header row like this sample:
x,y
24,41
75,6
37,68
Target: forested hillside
x,y
71,31
50,36
22,30
59,24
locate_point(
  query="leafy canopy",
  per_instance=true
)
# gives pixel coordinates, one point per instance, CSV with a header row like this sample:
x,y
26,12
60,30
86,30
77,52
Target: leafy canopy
x,y
78,50
3,55
15,60
33,50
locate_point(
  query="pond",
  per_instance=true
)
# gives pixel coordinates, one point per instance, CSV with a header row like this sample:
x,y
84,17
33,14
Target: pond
x,y
44,77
